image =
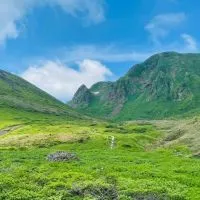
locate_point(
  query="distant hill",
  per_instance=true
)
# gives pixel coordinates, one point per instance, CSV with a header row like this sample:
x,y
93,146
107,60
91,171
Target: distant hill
x,y
15,92
165,85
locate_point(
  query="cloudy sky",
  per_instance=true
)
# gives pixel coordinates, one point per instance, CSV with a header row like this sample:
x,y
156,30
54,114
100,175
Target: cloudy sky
x,y
60,44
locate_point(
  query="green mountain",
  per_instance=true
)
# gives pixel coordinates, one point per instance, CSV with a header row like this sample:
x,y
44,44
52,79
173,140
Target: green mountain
x,y
165,85
20,94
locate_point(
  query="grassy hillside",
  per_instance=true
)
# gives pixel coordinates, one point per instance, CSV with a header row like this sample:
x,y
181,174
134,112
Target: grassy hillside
x,y
20,94
138,164
165,85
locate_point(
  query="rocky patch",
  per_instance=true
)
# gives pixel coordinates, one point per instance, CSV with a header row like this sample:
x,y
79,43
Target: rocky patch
x,y
62,156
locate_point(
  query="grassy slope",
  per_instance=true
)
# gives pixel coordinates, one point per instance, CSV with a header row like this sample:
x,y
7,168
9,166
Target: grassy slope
x,y
134,168
18,93
181,131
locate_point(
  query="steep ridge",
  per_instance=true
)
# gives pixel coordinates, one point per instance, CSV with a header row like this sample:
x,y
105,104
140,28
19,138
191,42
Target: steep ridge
x,y
165,85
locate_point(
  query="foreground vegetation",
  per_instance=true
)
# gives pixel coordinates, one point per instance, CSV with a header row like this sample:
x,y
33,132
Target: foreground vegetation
x,y
115,161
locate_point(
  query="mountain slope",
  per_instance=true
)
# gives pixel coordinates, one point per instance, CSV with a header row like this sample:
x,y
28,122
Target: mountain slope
x,y
165,85
18,93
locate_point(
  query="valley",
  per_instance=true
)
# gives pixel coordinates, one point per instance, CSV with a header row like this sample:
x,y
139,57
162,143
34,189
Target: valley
x,y
145,146
99,100
147,161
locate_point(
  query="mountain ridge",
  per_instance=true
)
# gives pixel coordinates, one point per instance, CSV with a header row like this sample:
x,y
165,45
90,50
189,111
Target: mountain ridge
x,y
164,85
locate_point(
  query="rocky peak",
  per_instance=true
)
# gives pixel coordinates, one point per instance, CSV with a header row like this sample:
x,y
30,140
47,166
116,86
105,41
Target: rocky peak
x,y
82,97
82,88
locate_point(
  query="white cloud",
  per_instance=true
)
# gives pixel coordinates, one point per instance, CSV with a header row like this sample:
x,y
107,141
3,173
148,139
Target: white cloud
x,y
92,11
13,11
108,53
161,25
62,81
190,42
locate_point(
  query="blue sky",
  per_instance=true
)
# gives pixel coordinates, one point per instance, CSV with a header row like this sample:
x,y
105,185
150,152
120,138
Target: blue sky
x,y
60,44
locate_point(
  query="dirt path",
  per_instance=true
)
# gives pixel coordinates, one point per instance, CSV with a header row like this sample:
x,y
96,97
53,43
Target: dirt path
x,y
9,129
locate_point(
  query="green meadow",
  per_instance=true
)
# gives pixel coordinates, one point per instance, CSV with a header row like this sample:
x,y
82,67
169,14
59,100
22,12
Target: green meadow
x,y
131,160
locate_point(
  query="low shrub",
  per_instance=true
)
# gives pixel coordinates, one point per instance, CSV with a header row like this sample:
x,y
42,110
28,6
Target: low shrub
x,y
98,192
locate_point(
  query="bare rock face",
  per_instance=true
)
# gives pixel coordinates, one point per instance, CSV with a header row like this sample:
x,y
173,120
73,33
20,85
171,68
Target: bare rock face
x,y
61,156
82,97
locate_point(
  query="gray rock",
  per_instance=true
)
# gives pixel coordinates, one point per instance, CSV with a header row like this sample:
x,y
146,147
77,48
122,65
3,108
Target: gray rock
x,y
60,156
